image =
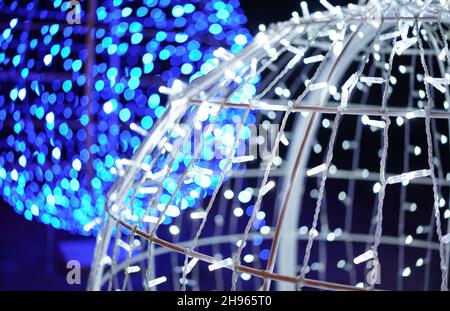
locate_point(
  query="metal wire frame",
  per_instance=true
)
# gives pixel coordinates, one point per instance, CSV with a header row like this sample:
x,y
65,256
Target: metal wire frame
x,y
351,109
149,145
241,268
380,112
268,275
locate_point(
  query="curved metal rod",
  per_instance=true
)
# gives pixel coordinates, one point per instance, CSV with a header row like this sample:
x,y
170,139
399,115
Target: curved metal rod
x,y
167,247
252,271
296,168
350,110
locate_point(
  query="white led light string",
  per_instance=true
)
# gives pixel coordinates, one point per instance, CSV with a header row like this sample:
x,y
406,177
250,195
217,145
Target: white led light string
x,y
428,106
329,158
279,77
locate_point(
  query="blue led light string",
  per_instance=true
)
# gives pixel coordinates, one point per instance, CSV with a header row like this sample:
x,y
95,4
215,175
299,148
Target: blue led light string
x,y
139,46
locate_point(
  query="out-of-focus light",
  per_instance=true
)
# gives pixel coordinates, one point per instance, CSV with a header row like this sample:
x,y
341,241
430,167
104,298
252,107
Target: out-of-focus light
x,y
73,155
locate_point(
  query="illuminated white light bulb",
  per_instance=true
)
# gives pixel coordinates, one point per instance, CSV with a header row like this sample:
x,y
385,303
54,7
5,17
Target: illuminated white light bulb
x,y
305,10
447,214
316,170
174,230
388,36
372,80
238,212
284,140
133,269
106,261
239,242
401,46
253,68
408,176
338,47
317,148
243,159
438,83
156,282
228,194
191,264
170,210
124,245
139,130
314,59
331,237
249,258
347,89
333,169
342,196
260,215
202,170
415,114
89,226
341,264
406,272
48,59
443,55
376,187
446,238
221,264
318,86
245,276
223,54
267,187
333,9
363,257
409,239
136,242
159,174
402,69
264,230
417,150
313,233
148,190
419,262
150,219
198,215
422,229
303,230
375,123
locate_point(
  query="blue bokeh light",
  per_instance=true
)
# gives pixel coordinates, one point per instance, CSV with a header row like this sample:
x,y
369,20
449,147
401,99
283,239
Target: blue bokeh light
x,y
55,164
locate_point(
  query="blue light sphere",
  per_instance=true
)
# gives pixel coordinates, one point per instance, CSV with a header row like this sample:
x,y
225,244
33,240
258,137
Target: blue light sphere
x,y
69,92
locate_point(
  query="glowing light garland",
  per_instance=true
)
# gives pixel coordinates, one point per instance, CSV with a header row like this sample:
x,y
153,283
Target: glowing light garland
x,y
352,62
75,97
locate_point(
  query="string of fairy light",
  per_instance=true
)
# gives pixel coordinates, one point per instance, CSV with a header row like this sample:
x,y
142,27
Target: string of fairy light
x,y
274,48
44,167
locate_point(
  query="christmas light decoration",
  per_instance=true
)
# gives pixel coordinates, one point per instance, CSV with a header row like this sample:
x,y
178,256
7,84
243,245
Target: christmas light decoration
x,y
332,81
80,86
